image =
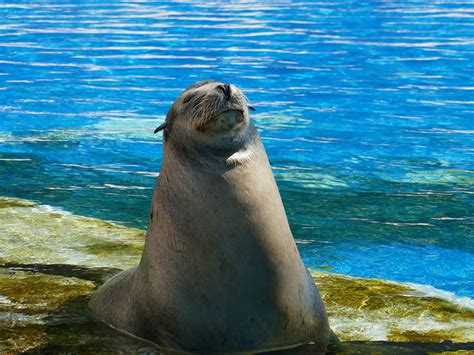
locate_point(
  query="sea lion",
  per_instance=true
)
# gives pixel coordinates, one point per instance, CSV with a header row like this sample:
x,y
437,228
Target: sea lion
x,y
220,271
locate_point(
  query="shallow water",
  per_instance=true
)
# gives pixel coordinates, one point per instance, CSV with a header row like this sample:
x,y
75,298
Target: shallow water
x,y
365,108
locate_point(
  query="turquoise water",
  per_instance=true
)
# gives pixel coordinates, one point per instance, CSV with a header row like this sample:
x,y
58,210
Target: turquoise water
x,y
366,110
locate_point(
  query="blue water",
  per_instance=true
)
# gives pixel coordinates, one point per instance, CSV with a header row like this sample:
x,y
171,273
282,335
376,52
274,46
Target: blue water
x,y
366,110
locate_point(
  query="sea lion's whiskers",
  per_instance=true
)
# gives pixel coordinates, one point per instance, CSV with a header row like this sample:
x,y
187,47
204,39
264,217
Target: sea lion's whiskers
x,y
198,105
198,100
205,114
198,110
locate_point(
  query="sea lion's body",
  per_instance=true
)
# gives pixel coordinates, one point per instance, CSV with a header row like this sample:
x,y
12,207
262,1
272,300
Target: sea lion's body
x,y
220,270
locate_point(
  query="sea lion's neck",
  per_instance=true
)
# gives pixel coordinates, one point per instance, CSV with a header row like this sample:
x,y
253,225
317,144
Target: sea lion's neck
x,y
204,202
221,157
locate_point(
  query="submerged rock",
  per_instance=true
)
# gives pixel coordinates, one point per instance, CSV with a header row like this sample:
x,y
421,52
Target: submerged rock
x,y
52,261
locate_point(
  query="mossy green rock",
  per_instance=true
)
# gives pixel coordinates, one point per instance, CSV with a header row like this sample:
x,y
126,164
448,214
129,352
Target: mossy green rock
x,y
41,235
49,312
369,309
51,262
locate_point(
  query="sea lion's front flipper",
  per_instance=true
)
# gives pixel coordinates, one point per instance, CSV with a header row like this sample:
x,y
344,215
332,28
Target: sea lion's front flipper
x,y
113,302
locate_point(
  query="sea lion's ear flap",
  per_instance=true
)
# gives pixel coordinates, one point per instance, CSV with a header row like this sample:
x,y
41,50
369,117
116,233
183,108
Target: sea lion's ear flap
x,y
166,126
249,105
161,126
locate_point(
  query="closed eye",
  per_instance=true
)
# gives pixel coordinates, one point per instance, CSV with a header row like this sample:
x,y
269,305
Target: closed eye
x,y
188,98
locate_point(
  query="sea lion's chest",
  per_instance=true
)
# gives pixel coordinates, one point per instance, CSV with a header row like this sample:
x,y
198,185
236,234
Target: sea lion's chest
x,y
210,204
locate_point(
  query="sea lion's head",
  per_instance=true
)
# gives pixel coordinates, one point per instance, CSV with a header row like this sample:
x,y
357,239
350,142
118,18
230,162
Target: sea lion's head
x,y
208,113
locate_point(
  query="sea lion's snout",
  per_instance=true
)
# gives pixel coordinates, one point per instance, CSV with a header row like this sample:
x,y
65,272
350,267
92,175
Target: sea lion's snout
x,y
219,108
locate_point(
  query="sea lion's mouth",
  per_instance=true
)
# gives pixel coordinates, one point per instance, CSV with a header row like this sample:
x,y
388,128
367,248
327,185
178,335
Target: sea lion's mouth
x,y
225,120
232,116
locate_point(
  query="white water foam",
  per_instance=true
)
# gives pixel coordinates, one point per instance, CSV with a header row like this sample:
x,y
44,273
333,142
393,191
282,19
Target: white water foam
x,y
462,301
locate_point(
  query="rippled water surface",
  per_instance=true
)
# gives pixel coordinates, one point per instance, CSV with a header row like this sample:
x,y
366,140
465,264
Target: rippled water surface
x,y
366,110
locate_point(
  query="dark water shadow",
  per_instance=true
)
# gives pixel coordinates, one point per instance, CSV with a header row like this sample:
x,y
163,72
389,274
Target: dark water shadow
x,y
97,275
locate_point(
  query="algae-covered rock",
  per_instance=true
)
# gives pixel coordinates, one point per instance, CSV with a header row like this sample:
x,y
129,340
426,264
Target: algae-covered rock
x,y
369,309
6,202
39,234
49,312
26,301
51,262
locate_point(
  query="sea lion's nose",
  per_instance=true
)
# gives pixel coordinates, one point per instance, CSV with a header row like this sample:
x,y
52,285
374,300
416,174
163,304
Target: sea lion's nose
x,y
226,89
